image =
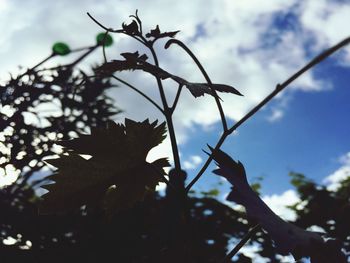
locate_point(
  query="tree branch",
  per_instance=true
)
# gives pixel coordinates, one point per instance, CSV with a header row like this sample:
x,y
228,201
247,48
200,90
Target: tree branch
x,y
199,65
241,243
269,97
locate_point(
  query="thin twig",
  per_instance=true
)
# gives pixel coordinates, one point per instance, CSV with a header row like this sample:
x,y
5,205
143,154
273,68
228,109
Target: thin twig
x,y
136,16
80,49
269,97
88,52
282,86
194,58
139,92
104,46
37,65
159,82
206,164
113,30
177,96
241,243
98,23
43,61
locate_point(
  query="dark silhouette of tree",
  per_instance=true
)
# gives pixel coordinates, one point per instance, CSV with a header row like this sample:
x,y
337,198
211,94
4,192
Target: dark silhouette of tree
x,y
144,233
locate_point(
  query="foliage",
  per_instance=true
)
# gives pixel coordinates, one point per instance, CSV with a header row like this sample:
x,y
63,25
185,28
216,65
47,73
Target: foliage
x,y
41,106
288,238
141,234
102,204
118,156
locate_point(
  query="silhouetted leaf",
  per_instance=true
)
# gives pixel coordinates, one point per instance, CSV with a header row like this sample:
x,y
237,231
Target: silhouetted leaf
x,y
141,181
132,56
118,154
199,89
288,237
132,28
156,33
133,61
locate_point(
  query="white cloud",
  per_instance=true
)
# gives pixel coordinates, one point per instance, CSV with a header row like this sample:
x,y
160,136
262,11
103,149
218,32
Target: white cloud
x,y
192,162
276,115
333,180
323,20
279,203
238,44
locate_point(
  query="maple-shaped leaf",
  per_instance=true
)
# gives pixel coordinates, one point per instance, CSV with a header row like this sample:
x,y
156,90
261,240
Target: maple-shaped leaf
x,y
129,63
134,56
133,61
118,198
199,89
288,238
156,33
118,154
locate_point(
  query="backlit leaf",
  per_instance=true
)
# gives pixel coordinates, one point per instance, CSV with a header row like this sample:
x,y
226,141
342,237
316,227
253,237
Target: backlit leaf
x,y
156,33
288,238
117,168
133,61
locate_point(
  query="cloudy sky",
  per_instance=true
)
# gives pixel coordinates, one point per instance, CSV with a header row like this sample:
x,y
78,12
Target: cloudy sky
x,y
246,44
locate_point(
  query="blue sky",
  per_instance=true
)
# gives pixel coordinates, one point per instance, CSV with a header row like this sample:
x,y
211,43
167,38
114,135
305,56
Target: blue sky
x,y
309,138
240,43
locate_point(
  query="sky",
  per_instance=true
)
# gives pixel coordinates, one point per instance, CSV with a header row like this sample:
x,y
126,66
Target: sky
x,y
246,44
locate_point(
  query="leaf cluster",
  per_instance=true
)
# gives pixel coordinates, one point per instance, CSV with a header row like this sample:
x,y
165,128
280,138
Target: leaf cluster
x,y
117,172
41,106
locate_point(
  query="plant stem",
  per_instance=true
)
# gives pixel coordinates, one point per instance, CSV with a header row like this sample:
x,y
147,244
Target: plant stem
x,y
269,97
166,110
206,164
168,115
88,52
201,68
172,136
177,96
241,243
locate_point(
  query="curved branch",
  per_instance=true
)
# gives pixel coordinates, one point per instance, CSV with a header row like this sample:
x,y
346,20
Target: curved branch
x,y
177,96
208,161
102,26
194,58
111,29
269,97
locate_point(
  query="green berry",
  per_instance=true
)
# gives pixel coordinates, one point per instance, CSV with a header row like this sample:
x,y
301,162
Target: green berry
x,y
107,39
61,49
